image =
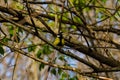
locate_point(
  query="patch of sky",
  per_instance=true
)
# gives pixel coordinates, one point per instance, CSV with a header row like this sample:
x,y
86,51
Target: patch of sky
x,y
45,5
74,51
1,68
48,36
116,25
10,60
98,19
71,62
72,74
8,74
7,50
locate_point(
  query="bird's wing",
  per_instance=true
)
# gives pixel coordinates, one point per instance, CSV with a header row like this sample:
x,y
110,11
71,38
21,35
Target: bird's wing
x,y
56,41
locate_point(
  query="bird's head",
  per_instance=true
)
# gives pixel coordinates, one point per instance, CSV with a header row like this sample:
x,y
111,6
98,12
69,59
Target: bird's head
x,y
60,34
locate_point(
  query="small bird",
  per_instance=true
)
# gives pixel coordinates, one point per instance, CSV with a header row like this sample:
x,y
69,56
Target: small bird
x,y
59,41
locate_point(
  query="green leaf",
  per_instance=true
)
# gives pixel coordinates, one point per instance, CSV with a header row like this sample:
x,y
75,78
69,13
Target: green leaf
x,y
61,58
51,14
1,50
39,53
11,30
64,75
53,71
17,39
60,71
19,6
41,66
78,20
104,1
6,39
46,49
31,48
73,27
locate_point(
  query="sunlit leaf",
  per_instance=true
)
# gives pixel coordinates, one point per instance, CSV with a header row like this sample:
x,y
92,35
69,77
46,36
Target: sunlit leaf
x,y
52,15
76,19
73,27
19,6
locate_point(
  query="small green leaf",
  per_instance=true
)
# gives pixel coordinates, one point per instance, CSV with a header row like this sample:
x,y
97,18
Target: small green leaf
x,y
46,49
41,66
11,30
6,39
61,58
64,74
53,71
104,1
73,27
1,50
51,14
31,48
19,6
60,71
39,53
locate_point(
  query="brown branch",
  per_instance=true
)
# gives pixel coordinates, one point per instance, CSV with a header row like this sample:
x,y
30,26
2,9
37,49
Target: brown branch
x,y
48,28
61,15
15,12
9,11
29,12
101,58
39,60
115,69
92,54
59,49
58,66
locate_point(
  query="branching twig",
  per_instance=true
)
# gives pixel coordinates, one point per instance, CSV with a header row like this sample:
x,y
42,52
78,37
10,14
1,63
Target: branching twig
x,y
29,12
60,50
